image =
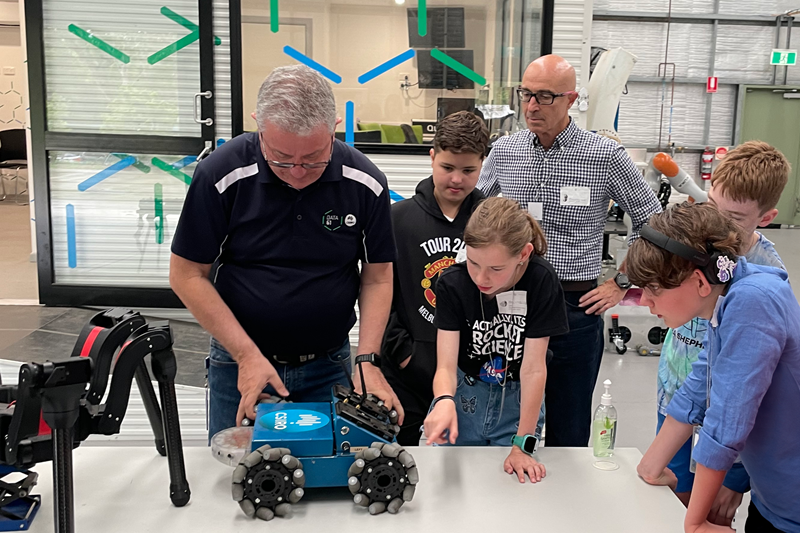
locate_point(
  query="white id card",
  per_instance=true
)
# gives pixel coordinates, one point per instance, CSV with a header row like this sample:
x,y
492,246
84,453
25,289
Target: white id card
x,y
695,438
536,209
576,195
512,303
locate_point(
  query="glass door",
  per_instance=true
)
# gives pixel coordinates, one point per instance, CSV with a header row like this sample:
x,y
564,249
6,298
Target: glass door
x,y
122,107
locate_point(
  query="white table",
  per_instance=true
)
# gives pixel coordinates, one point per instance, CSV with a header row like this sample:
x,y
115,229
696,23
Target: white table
x,y
125,489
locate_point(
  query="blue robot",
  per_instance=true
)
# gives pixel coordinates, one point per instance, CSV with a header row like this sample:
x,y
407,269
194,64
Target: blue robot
x,y
347,442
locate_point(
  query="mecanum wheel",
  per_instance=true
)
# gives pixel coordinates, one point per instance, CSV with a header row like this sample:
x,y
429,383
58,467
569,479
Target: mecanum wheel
x,y
267,482
383,477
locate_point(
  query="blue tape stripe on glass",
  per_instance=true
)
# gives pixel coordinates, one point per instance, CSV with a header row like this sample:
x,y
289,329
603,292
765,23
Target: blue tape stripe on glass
x,y
380,69
388,65
72,256
349,134
307,61
188,160
106,173
394,196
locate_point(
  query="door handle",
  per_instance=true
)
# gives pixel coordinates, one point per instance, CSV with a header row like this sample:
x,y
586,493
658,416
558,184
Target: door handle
x,y
206,151
207,121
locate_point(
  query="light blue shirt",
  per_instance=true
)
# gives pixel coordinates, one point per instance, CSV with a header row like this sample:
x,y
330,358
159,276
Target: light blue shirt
x,y
753,344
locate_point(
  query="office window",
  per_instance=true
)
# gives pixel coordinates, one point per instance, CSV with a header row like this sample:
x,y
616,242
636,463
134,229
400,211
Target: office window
x,y
395,71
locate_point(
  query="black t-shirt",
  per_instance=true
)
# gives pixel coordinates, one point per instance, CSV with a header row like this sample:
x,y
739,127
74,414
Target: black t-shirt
x,y
493,331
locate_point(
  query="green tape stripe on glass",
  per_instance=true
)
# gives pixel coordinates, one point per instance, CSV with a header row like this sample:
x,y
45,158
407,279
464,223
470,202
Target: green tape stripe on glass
x,y
274,20
99,43
422,18
457,66
166,167
159,208
186,23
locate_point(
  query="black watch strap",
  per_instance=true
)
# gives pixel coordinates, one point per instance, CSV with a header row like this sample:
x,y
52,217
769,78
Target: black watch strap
x,y
373,358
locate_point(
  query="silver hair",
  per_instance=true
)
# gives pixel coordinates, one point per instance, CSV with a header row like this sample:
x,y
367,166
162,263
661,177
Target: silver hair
x,y
297,100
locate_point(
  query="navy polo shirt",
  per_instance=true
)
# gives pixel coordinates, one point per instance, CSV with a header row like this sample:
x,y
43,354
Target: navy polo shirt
x,y
288,258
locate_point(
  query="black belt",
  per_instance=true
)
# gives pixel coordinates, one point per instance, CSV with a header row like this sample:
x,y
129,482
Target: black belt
x,y
579,286
297,360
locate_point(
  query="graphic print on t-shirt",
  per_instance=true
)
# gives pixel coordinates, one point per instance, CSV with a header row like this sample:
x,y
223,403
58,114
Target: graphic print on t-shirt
x,y
431,247
499,341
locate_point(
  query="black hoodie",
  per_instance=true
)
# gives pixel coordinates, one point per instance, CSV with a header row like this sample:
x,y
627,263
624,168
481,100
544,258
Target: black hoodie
x,y
427,243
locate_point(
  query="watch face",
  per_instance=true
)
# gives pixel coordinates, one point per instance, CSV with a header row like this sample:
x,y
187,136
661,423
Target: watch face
x,y
623,281
529,446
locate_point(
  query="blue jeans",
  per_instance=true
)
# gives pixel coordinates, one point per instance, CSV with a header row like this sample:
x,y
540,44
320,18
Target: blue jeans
x,y
571,376
481,421
310,382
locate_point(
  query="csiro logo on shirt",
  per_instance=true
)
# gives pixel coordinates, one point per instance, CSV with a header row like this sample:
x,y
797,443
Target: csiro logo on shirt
x,y
294,421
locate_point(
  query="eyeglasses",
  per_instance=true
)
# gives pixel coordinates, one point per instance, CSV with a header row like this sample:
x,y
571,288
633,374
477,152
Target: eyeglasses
x,y
279,164
541,97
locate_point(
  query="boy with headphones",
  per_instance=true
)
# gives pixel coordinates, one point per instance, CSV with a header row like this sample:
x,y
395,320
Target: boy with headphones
x,y
746,188
743,394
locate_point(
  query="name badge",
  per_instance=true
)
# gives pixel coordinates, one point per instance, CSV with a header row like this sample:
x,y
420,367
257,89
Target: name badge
x,y
576,195
535,209
512,303
695,438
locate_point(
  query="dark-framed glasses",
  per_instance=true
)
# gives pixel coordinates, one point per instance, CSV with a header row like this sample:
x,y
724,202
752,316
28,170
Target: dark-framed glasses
x,y
541,97
280,164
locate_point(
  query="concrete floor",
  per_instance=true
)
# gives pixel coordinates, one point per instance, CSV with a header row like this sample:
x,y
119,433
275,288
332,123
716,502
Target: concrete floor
x,y
17,272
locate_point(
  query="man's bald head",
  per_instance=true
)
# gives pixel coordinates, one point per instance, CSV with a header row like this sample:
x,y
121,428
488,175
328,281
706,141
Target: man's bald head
x,y
554,77
553,70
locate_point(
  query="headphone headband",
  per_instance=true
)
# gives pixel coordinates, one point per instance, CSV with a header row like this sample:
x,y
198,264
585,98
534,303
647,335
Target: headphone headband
x,y
697,257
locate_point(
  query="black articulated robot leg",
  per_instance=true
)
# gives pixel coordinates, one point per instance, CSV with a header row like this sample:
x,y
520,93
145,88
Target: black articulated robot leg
x,y
154,339
62,385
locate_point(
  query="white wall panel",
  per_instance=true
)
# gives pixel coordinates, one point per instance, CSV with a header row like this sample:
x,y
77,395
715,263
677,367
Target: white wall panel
x,y
689,49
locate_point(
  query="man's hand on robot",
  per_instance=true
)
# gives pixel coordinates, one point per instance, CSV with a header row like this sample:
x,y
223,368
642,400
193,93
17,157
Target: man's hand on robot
x,y
377,385
255,373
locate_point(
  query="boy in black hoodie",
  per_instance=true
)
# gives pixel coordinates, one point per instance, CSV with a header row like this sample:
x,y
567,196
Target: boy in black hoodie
x,y
428,230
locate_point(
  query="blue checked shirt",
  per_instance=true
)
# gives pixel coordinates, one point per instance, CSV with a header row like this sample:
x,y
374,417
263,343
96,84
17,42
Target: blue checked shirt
x,y
520,168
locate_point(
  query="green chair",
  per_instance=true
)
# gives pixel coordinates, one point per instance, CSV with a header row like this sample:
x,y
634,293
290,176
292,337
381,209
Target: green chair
x,y
391,133
366,126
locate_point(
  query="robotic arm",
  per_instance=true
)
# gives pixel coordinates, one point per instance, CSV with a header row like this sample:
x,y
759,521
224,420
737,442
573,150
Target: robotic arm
x,y
662,163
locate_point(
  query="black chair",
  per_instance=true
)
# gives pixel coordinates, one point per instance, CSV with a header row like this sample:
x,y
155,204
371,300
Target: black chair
x,y
13,155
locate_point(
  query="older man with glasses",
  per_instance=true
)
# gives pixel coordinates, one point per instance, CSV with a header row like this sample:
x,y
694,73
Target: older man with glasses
x,y
286,215
564,176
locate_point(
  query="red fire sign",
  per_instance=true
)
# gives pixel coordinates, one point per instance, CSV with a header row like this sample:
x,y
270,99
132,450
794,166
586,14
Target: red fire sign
x,y
711,84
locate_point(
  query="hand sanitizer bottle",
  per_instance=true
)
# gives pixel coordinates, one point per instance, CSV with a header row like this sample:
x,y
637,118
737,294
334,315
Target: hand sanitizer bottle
x,y
604,425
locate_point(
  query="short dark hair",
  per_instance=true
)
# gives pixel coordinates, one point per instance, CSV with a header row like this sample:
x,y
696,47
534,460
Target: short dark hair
x,y
698,226
461,132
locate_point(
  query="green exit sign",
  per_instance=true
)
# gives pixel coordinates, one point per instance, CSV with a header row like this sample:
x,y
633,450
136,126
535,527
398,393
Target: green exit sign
x,y
783,57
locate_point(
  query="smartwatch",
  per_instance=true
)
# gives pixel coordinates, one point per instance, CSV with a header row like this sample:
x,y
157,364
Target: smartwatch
x,y
527,443
373,358
622,281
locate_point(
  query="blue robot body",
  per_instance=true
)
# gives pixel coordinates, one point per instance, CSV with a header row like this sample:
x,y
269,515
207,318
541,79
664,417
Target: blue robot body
x,y
324,436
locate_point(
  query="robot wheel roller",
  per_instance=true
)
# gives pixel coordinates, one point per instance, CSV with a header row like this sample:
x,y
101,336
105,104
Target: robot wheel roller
x,y
267,482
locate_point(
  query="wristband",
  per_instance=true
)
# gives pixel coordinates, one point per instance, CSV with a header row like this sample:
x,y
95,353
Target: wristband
x,y
442,397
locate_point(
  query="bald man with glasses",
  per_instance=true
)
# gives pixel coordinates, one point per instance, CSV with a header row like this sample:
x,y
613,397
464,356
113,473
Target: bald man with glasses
x,y
287,214
565,176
